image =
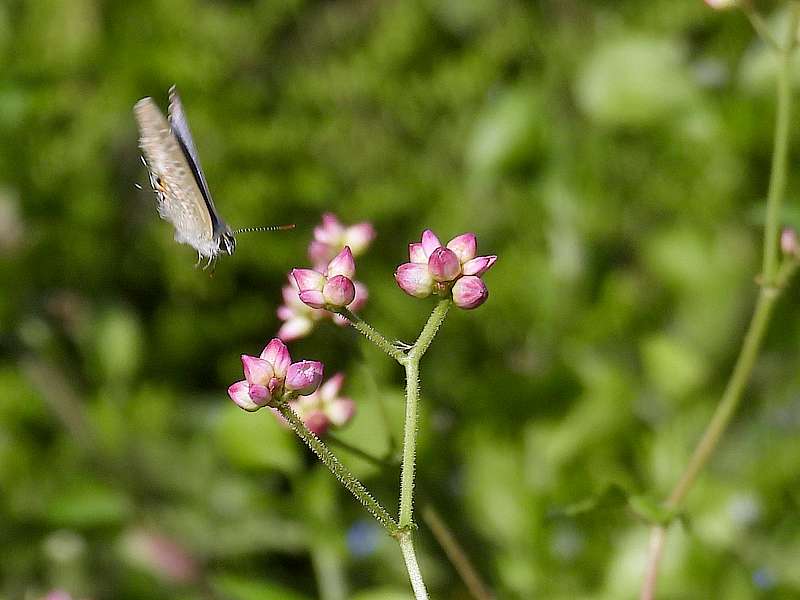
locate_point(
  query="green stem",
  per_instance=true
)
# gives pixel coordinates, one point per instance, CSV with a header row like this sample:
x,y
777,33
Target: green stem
x,y
774,277
411,363
760,26
329,570
409,445
407,469
410,557
372,334
780,150
429,331
730,398
345,477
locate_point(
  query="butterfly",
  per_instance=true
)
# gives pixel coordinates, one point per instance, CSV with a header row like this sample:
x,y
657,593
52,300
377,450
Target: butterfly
x,y
170,156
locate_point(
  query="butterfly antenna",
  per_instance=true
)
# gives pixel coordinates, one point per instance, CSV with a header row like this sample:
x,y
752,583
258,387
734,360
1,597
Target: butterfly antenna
x,y
265,228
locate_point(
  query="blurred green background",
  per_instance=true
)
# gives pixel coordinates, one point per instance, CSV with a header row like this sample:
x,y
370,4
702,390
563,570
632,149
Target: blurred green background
x,y
614,155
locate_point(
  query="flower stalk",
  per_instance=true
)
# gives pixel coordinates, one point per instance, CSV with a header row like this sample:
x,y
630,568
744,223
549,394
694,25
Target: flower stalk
x,y
452,272
774,277
410,558
372,334
342,473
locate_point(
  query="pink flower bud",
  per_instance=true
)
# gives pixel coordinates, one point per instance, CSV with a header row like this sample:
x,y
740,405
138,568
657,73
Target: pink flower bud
x,y
277,354
257,371
444,265
314,298
416,253
465,246
414,279
304,377
339,291
360,299
479,265
259,393
308,279
789,242
240,394
430,242
342,264
469,292
358,237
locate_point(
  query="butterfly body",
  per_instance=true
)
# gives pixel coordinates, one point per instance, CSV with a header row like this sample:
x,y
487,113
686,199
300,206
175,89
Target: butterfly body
x,y
178,180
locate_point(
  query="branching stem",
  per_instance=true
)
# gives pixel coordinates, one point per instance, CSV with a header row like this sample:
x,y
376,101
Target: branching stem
x,y
774,277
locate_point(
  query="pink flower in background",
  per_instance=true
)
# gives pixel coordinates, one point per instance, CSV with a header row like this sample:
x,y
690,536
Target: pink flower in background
x,y
299,319
270,375
160,555
312,293
332,288
331,236
57,595
789,243
453,268
325,408
722,4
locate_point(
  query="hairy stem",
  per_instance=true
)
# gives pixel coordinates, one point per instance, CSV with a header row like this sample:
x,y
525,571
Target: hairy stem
x,y
409,445
410,557
372,334
411,363
429,331
407,469
342,473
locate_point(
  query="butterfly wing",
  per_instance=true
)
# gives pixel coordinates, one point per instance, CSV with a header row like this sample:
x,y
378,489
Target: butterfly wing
x,y
180,199
180,127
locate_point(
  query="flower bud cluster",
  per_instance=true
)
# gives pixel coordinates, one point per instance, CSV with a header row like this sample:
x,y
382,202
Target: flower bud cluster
x,y
331,238
272,375
443,270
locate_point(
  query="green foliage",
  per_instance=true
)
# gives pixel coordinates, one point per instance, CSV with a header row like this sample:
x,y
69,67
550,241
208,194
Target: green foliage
x,y
615,157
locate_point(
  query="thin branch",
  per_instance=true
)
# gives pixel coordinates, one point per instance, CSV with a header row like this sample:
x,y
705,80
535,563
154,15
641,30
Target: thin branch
x,y
455,553
342,473
774,277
